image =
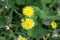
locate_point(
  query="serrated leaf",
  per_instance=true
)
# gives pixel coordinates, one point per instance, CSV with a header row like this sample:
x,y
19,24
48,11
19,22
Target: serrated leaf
x,y
37,32
39,12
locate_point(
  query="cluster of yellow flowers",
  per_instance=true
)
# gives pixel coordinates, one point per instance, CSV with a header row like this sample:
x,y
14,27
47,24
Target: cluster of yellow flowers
x,y
28,23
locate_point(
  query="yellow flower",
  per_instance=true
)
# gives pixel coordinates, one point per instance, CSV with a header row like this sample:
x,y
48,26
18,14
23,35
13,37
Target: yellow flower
x,y
54,25
28,24
22,38
28,11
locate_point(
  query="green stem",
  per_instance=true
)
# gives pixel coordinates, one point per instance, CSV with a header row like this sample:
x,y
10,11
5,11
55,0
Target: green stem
x,y
7,3
16,12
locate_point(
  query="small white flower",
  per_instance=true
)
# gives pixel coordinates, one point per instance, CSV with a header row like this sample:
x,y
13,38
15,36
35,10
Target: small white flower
x,y
22,20
20,36
7,27
54,35
6,7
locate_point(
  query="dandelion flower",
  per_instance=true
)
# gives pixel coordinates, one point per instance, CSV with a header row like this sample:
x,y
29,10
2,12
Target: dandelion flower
x,y
22,38
28,11
28,24
54,25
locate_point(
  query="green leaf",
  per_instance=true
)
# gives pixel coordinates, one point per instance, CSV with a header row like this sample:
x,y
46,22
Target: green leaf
x,y
39,12
37,32
46,21
2,22
19,2
10,17
55,17
53,3
47,1
58,10
2,38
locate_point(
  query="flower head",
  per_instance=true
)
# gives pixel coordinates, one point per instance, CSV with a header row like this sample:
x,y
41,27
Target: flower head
x,y
28,11
54,25
22,38
28,23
